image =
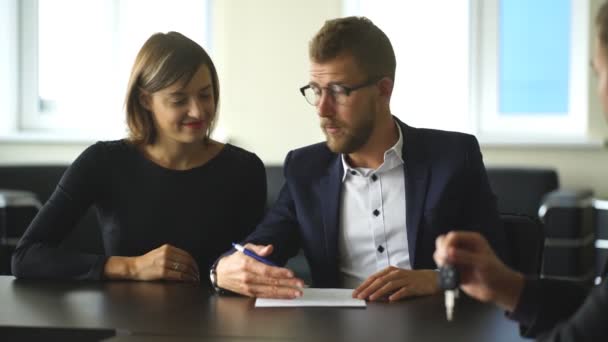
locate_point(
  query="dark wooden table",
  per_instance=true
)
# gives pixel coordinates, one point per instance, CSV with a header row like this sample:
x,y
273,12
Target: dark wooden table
x,y
136,311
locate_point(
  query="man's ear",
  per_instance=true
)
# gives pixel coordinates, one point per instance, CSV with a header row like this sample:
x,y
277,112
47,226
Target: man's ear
x,y
385,89
145,99
385,85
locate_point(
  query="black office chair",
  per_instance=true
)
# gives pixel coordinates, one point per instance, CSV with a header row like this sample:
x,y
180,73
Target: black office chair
x,y
17,209
521,189
525,239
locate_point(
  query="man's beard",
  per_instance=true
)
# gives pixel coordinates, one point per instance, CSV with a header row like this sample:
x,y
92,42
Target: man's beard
x,y
350,138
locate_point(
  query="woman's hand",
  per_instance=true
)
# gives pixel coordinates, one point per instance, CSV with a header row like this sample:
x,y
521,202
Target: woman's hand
x,y
163,263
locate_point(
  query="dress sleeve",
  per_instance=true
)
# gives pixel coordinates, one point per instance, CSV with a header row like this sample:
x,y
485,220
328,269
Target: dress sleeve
x,y
38,253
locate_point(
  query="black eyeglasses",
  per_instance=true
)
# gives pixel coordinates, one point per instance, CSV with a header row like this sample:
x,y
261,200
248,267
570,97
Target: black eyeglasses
x,y
339,93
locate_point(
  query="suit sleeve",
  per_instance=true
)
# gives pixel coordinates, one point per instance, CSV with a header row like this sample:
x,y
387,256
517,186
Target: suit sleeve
x,y
543,303
556,310
38,253
587,324
280,225
483,209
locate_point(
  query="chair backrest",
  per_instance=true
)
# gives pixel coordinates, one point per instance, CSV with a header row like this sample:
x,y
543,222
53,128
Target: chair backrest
x,y
274,183
520,190
525,238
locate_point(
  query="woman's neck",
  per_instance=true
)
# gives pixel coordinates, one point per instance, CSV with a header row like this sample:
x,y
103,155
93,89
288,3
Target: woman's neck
x,y
180,156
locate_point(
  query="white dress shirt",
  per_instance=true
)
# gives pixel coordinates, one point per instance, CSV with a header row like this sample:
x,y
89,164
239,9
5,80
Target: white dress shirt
x,y
373,231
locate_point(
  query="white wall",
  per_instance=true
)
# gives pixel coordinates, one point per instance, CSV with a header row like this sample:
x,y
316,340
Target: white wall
x,y
260,49
37,153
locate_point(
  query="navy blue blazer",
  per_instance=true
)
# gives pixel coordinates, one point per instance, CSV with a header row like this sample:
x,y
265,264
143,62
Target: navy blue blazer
x,y
446,188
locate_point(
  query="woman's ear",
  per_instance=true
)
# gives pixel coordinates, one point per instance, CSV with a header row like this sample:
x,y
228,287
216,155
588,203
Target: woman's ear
x,y
145,99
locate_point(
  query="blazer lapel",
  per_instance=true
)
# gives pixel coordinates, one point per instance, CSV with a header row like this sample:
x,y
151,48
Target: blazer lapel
x,y
331,185
416,172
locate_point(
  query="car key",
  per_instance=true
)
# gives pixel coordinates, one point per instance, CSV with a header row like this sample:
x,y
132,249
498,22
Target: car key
x,y
449,281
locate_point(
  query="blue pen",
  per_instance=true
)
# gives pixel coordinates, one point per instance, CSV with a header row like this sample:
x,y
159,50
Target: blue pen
x,y
252,254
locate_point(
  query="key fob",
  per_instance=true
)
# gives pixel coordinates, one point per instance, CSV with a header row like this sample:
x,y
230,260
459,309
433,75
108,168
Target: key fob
x,y
448,277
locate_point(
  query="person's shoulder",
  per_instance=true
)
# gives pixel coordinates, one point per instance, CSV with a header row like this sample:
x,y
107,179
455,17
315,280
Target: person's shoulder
x,y
319,151
105,146
99,149
239,154
235,157
310,161
120,144
438,136
107,150
440,141
94,162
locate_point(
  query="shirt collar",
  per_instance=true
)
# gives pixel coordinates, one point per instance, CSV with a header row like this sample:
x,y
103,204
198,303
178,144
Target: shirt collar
x,y
392,157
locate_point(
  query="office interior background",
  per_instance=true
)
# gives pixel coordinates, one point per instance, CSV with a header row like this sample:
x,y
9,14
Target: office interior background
x,y
64,67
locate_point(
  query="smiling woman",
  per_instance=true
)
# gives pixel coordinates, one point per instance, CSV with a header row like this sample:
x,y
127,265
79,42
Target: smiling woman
x,y
172,97
196,98
169,198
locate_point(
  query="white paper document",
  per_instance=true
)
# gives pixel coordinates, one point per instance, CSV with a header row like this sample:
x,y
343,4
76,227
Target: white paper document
x,y
315,297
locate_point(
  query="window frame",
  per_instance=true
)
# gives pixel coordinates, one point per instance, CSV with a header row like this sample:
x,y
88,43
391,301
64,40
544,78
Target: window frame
x,y
522,129
19,99
10,68
489,125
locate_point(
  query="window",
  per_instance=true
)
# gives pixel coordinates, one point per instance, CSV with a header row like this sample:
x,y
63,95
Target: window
x,y
532,69
431,43
529,81
505,70
76,58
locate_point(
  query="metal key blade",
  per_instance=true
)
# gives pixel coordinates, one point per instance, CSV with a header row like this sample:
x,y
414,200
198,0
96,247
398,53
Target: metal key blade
x,y
450,300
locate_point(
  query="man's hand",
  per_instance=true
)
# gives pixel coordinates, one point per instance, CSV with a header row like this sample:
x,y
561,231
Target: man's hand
x,y
163,263
482,275
243,274
396,284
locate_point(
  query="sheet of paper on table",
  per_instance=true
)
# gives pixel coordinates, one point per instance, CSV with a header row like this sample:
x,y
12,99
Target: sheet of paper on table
x,y
315,297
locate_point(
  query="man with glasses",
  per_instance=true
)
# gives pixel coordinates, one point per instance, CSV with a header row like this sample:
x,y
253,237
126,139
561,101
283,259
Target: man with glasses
x,y
367,204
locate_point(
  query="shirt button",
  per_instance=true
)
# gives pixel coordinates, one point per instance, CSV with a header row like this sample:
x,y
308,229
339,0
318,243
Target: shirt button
x,y
380,249
376,212
374,177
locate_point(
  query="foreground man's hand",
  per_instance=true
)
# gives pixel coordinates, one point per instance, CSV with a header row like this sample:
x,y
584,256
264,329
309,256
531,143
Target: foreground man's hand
x,y
482,275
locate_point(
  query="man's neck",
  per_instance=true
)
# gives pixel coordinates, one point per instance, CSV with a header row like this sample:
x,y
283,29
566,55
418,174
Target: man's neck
x,y
371,155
